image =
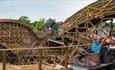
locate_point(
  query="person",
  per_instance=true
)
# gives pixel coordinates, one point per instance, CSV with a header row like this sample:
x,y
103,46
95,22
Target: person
x,y
107,52
96,45
103,52
94,50
112,48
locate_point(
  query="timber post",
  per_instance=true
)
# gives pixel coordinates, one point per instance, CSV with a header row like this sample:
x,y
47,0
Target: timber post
x,y
4,60
40,60
66,61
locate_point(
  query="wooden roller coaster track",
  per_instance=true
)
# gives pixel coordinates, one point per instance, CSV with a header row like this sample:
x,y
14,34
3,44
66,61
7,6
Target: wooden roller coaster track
x,y
77,28
89,19
15,34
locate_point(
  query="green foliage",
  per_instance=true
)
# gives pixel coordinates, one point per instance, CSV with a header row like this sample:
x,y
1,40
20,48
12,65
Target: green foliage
x,y
39,25
25,19
57,27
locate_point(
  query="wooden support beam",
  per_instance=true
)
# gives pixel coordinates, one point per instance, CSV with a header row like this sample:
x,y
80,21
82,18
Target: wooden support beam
x,y
4,60
40,61
66,61
42,48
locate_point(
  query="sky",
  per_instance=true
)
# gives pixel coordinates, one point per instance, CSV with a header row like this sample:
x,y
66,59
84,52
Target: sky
x,y
36,9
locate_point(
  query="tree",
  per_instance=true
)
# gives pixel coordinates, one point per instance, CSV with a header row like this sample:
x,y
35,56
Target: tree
x,y
57,27
25,19
39,25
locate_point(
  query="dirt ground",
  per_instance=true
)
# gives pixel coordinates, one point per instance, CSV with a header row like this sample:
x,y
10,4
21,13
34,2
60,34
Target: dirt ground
x,y
27,67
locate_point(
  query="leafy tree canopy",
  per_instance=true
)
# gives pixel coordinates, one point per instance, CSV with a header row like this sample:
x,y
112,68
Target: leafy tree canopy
x,y
41,23
38,25
25,19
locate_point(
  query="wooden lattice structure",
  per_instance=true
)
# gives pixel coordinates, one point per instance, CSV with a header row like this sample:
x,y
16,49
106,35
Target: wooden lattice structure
x,y
91,18
15,34
77,28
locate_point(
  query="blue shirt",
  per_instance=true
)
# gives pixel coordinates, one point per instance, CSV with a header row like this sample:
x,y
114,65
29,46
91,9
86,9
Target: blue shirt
x,y
96,47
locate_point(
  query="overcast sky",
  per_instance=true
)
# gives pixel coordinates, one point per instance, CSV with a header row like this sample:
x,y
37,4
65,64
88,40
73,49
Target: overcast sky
x,y
35,9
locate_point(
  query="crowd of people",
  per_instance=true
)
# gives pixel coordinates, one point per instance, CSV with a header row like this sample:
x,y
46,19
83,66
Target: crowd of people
x,y
105,47
101,51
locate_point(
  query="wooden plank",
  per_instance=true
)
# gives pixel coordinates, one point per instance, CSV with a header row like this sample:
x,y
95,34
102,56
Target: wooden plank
x,y
43,48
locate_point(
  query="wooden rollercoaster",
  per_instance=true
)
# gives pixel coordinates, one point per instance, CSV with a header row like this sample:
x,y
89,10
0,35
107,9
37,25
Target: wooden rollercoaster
x,y
76,31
